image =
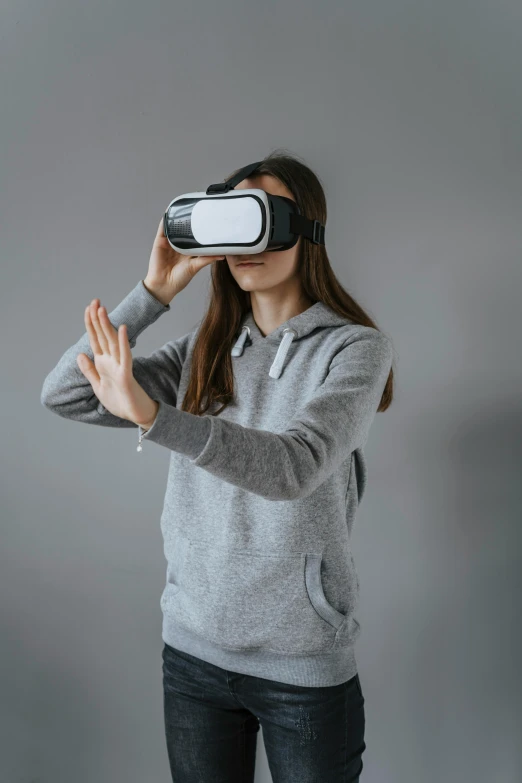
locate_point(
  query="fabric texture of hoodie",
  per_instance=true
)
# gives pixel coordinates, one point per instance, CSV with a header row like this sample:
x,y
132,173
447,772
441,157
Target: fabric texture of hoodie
x,y
261,499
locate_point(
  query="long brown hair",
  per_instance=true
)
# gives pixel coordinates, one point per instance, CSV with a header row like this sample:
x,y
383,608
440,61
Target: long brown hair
x,y
211,380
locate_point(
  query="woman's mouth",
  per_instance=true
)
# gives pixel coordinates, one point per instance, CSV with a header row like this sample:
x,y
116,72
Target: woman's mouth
x,y
250,263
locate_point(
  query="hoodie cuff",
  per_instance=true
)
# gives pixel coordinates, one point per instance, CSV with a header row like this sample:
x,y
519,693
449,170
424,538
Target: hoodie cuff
x,y
178,430
138,310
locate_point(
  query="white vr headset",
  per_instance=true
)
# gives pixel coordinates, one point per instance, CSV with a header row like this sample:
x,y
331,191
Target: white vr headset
x,y
240,222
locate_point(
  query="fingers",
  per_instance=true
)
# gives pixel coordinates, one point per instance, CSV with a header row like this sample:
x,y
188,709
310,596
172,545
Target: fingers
x,y
109,333
93,337
198,262
124,347
88,369
100,332
160,232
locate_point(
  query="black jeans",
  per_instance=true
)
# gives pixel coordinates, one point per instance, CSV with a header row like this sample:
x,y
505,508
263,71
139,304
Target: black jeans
x,y
212,716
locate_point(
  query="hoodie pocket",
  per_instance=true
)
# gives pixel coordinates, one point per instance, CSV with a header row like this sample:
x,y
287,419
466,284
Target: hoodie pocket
x,y
251,600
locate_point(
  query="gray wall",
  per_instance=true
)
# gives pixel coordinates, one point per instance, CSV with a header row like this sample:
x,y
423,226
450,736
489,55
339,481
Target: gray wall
x,y
410,112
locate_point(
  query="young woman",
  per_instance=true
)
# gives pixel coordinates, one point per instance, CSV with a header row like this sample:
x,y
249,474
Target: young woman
x,y
265,408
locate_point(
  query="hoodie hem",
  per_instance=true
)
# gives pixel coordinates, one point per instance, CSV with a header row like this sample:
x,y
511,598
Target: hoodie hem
x,y
319,670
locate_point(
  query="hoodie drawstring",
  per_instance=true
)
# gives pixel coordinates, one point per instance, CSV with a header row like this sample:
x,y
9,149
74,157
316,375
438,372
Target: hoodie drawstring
x,y
237,350
284,346
277,365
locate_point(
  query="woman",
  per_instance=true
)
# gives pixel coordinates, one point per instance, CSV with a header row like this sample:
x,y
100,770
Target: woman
x,y
265,408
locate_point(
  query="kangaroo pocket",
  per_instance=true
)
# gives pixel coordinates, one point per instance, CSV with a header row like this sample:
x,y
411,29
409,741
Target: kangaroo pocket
x,y
250,600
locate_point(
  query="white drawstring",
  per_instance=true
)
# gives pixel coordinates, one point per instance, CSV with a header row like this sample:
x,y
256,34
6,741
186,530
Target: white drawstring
x,y
284,346
237,350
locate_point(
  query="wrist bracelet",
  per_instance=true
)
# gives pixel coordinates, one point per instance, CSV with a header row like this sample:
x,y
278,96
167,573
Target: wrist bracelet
x,y
140,438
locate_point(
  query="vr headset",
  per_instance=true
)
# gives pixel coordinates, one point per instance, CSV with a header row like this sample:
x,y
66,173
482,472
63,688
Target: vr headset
x,y
240,222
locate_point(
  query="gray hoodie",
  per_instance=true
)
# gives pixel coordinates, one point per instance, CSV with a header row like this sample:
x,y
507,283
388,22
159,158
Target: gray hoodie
x,y
261,499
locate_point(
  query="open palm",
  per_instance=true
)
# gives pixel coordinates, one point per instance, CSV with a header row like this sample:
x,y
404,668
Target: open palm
x,y
110,375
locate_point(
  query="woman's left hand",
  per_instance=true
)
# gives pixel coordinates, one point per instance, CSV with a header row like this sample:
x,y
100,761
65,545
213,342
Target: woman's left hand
x,y
110,375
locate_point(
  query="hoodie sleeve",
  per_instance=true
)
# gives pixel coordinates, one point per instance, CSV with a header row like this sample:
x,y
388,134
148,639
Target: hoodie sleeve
x,y
322,434
67,392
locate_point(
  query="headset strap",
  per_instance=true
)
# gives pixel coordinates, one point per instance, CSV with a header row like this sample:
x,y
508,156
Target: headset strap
x,y
229,184
299,224
311,229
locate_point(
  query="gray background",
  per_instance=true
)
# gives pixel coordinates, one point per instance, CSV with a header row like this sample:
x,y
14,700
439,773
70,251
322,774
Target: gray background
x,y
410,112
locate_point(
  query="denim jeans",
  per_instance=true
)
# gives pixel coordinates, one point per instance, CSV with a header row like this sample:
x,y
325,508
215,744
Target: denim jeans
x,y
212,716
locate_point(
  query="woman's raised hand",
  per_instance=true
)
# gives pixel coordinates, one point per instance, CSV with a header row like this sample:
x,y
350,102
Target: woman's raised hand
x,y
110,375
169,271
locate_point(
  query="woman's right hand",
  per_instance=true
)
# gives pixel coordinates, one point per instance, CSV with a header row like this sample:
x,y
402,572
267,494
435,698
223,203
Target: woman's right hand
x,y
169,271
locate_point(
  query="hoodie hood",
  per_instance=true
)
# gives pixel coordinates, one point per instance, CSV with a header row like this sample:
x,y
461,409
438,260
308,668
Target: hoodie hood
x,y
317,316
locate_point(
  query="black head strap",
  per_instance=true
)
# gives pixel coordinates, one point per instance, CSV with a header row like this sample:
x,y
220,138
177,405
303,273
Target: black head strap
x,y
311,229
229,184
